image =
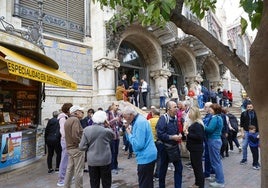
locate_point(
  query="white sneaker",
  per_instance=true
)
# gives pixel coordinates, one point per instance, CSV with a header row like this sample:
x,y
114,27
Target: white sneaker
x,y
256,167
215,184
211,179
60,184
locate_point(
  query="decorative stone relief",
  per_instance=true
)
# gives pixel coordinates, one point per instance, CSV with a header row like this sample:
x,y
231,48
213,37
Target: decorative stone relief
x,y
106,63
164,73
167,51
114,33
200,61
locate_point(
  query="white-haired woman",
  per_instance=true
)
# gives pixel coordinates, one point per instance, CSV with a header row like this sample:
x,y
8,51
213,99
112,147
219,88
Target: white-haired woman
x,y
96,140
195,138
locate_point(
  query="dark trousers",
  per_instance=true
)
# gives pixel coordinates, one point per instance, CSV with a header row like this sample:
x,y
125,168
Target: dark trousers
x,y
164,166
135,95
224,147
103,173
53,146
114,144
196,161
157,163
144,98
255,155
128,147
232,137
145,175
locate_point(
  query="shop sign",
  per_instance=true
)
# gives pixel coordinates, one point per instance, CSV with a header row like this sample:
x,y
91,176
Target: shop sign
x,y
33,74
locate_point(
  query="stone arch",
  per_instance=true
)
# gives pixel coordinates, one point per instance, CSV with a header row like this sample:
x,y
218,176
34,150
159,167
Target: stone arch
x,y
145,42
186,60
211,69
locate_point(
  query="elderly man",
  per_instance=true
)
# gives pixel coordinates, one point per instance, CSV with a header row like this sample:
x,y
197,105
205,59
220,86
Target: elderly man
x,y
140,136
168,134
96,141
73,134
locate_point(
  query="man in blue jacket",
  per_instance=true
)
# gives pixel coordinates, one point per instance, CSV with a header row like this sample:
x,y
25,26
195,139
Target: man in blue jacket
x,y
139,134
168,133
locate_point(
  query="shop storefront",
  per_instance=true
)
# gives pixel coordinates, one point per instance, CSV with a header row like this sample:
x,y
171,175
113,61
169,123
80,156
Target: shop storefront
x,y
22,75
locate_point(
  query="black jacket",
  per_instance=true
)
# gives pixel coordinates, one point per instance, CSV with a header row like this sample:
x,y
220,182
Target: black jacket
x,y
245,120
52,132
195,137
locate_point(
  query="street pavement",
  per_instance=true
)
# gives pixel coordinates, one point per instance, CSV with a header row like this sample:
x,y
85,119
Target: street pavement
x,y
35,175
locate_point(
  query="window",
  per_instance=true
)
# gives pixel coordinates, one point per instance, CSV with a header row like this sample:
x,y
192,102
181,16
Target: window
x,y
65,18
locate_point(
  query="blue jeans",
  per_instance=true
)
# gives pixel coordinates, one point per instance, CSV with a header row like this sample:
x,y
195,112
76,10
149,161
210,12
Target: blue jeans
x,y
200,101
208,168
162,102
214,147
164,166
245,145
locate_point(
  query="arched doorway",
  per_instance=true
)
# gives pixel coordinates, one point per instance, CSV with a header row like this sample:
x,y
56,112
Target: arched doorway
x,y
131,62
176,77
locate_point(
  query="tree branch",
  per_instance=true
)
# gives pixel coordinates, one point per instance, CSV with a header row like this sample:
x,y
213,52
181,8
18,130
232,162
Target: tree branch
x,y
229,59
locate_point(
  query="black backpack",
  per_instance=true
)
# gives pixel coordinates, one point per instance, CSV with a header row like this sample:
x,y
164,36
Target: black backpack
x,y
233,121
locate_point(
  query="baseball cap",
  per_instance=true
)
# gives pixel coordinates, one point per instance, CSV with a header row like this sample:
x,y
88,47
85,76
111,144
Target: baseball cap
x,y
75,108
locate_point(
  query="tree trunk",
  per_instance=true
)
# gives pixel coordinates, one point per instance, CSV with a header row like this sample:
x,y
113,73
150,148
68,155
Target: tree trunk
x,y
258,77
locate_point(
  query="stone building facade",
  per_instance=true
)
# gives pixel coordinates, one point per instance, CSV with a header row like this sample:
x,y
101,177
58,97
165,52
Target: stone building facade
x,y
76,35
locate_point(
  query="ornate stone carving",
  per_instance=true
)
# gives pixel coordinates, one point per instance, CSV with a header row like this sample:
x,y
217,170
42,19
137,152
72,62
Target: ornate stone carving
x,y
106,63
200,61
164,73
167,51
114,31
223,69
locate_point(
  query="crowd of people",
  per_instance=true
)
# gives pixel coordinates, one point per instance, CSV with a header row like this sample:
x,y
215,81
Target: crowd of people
x,y
91,144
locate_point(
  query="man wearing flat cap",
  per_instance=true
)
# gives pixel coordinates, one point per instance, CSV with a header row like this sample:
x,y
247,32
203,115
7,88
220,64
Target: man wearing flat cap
x,y
73,134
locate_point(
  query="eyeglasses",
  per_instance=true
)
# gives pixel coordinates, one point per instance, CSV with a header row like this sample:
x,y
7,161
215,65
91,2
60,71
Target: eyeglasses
x,y
117,105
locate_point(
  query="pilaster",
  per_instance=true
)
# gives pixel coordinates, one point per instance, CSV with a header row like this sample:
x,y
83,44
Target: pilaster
x,y
106,75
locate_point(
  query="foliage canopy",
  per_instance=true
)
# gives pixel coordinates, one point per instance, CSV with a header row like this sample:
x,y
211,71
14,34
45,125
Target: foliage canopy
x,y
157,12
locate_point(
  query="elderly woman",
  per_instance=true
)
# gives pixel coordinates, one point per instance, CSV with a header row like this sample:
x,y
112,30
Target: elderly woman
x,y
213,132
96,140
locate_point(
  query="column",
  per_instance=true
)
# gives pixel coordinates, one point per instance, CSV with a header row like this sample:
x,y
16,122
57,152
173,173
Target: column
x,y
106,75
160,77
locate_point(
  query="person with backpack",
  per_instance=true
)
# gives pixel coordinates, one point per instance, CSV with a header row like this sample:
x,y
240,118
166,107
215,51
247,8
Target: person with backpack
x,y
52,140
168,137
233,130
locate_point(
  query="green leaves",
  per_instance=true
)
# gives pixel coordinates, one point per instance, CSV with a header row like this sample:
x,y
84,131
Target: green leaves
x,y
158,12
244,24
199,7
254,9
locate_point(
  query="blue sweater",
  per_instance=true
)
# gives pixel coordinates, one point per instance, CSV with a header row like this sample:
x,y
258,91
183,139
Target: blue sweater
x,y
253,141
142,141
214,127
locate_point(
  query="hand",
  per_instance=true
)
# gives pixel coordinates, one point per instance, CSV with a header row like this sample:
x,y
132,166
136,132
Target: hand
x,y
128,129
176,137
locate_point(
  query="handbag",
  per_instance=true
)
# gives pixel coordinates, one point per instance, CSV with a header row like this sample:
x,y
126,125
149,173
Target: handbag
x,y
173,152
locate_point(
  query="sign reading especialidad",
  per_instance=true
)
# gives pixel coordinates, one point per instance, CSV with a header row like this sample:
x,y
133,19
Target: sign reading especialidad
x,y
38,75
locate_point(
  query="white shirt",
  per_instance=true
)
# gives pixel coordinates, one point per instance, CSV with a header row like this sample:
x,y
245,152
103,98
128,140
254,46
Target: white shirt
x,y
144,87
